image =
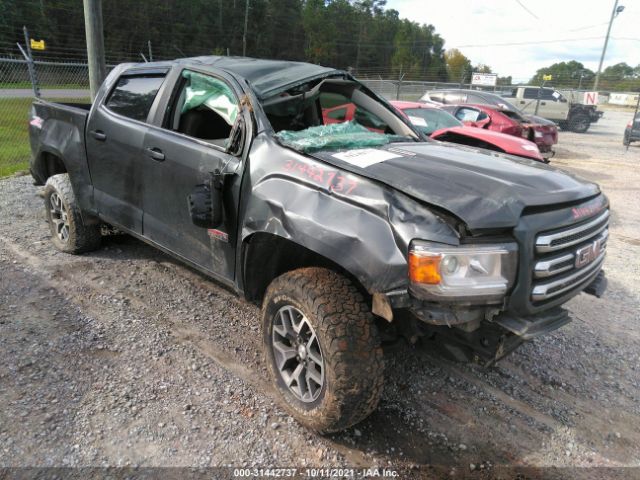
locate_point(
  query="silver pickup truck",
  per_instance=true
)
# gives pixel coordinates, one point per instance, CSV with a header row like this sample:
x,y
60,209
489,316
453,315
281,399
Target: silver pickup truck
x,y
552,104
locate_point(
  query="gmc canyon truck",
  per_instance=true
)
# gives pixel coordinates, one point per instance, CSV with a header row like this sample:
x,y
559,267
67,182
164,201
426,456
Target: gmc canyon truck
x,y
346,234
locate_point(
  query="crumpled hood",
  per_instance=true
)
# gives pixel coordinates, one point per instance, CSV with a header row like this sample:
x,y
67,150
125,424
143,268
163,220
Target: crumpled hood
x,y
483,189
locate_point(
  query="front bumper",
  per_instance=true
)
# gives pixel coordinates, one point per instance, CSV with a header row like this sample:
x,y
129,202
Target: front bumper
x,y
595,115
528,328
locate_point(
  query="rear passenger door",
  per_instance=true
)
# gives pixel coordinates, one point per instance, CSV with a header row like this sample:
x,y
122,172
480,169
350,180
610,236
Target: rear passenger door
x,y
115,134
192,138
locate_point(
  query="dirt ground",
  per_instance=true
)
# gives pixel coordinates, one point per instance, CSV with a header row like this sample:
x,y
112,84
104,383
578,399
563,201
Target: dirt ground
x,y
125,357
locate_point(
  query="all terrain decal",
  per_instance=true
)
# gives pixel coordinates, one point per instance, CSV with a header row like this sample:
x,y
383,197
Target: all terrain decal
x,y
329,179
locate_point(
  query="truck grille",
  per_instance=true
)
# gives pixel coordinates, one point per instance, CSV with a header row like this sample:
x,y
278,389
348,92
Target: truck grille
x,y
568,257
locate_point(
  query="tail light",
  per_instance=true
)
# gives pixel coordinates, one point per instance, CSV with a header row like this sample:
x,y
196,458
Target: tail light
x,y
629,124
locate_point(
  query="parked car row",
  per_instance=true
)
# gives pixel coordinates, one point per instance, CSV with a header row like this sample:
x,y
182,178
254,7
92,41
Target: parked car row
x,y
439,124
492,112
550,103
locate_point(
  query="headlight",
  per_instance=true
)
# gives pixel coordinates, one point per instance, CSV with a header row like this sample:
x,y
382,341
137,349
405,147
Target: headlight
x,y
538,134
467,273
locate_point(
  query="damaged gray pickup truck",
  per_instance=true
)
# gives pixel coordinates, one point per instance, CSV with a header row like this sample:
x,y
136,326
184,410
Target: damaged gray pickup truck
x,y
348,233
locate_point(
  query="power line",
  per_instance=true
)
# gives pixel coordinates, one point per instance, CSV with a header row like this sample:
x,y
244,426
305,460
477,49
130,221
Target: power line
x,y
527,10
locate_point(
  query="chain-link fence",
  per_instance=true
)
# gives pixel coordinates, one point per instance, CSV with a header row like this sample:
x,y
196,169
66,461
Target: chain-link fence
x,y
409,90
68,82
59,81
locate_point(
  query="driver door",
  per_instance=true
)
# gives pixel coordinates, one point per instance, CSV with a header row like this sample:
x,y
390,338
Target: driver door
x,y
192,140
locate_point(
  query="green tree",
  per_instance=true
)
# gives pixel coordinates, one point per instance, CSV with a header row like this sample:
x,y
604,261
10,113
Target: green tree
x,y
565,74
458,65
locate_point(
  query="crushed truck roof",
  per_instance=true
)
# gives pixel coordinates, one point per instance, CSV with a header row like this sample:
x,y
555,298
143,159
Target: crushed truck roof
x,y
266,77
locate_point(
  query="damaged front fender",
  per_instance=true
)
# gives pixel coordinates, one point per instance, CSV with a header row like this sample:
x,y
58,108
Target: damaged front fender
x,y
356,223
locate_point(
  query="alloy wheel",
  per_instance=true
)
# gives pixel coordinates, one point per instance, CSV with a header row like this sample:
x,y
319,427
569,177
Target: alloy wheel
x,y
59,217
297,353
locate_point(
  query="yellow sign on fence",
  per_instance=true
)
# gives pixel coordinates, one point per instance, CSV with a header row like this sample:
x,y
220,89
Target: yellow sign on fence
x,y
545,77
37,45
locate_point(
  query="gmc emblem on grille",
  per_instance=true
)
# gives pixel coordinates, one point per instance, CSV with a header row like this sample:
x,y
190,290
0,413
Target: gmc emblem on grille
x,y
588,254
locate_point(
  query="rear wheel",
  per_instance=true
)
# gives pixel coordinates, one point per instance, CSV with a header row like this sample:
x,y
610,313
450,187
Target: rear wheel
x,y
69,234
626,140
322,349
580,123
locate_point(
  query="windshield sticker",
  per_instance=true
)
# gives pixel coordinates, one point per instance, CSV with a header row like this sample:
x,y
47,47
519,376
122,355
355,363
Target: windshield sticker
x,y
364,158
417,121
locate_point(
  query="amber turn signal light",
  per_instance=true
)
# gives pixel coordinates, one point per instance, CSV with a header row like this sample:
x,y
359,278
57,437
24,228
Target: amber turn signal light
x,y
424,268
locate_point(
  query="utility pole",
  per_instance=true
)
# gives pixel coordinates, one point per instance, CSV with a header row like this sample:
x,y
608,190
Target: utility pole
x,y
95,44
614,13
246,22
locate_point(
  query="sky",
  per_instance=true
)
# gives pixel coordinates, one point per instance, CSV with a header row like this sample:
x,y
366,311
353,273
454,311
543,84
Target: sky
x,y
549,31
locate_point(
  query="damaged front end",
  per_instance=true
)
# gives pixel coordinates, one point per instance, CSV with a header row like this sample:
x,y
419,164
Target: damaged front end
x,y
480,301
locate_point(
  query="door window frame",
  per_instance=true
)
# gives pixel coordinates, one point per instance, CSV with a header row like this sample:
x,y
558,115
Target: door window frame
x,y
161,117
136,72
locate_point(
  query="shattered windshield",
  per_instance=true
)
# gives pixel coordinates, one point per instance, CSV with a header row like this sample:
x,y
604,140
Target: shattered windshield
x,y
333,114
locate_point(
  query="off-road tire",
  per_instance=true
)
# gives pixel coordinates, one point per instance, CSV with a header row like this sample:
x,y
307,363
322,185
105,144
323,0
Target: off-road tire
x,y
80,238
349,341
626,139
579,123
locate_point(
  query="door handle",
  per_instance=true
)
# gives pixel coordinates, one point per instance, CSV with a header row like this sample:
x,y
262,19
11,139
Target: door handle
x,y
543,103
98,135
155,153
521,101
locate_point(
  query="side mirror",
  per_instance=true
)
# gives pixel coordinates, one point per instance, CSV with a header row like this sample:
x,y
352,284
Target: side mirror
x,y
205,202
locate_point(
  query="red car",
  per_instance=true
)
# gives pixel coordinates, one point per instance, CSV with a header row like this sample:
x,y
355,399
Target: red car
x,y
441,125
543,133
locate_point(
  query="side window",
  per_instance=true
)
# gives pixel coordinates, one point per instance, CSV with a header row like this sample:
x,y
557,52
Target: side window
x,y
436,97
468,114
531,93
472,98
337,114
204,107
455,98
337,108
133,95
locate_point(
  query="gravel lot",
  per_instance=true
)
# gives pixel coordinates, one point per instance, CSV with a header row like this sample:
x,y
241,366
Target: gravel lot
x,y
124,357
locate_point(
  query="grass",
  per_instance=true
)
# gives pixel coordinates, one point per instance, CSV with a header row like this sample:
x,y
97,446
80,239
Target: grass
x,y
14,133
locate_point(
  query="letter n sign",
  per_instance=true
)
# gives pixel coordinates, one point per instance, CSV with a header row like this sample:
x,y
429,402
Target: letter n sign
x,y
590,98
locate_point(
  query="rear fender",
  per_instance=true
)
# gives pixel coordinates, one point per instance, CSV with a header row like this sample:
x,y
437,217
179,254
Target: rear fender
x,y
63,138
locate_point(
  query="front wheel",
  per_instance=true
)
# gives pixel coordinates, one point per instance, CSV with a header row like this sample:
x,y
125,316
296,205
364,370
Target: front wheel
x,y
322,349
580,123
69,234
